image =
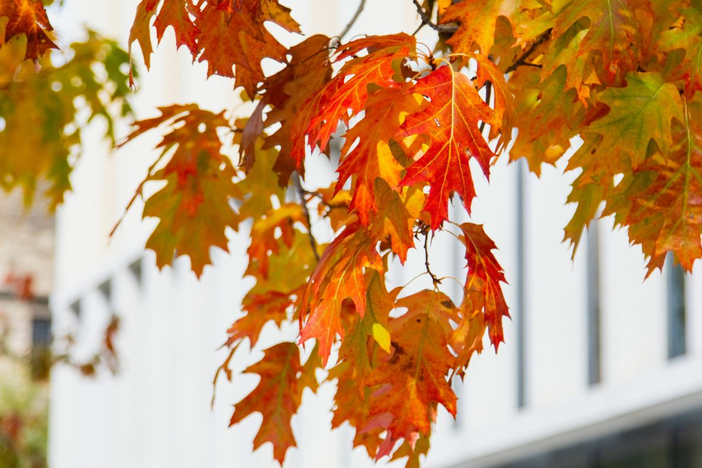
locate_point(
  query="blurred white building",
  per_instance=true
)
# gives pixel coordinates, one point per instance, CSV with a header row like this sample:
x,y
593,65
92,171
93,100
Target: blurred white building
x,y
600,368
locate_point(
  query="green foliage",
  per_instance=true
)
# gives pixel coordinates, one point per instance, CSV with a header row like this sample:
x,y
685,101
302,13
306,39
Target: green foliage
x,y
45,107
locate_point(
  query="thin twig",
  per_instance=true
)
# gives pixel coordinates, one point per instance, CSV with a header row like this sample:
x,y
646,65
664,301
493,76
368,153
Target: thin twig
x,y
320,197
426,19
419,28
522,60
353,20
306,211
425,230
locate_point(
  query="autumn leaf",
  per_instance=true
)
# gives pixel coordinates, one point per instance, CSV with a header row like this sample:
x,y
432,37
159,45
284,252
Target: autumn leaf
x,y
28,18
666,197
227,35
163,14
467,338
357,360
346,94
271,299
502,78
339,276
233,39
579,68
41,136
687,37
451,121
366,155
141,31
266,232
505,112
421,447
437,305
397,214
413,380
277,397
363,330
547,128
483,280
288,92
588,197
477,23
193,207
639,113
615,31
259,179
352,407
176,14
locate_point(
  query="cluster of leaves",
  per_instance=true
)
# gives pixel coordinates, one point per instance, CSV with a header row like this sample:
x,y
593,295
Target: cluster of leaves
x,y
44,105
392,368
508,77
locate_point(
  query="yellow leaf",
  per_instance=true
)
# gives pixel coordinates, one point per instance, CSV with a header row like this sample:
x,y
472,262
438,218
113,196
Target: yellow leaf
x,y
381,336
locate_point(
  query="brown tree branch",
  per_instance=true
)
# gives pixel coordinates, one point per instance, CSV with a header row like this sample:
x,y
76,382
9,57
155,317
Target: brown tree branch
x,y
522,60
424,229
348,27
306,211
426,19
434,278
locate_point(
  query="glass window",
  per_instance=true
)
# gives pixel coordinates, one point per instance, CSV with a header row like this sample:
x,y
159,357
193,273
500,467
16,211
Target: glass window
x,y
675,282
41,332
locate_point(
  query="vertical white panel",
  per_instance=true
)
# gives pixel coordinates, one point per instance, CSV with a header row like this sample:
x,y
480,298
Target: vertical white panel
x,y
693,291
555,289
634,324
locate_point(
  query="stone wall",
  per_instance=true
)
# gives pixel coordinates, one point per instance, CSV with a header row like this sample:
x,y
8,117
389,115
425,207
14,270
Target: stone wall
x,y
26,267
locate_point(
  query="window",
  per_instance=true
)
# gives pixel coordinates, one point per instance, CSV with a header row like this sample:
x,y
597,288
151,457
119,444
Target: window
x,y
594,365
41,332
672,442
675,285
520,285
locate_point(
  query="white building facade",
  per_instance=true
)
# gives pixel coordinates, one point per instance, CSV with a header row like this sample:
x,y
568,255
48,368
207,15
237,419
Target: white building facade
x,y
599,367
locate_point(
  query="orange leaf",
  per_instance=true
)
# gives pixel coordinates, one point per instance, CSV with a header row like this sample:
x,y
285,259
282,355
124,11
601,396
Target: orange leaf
x,y
288,92
193,207
477,19
394,219
234,40
339,276
482,285
366,154
346,94
226,34
176,14
451,120
277,396
413,380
